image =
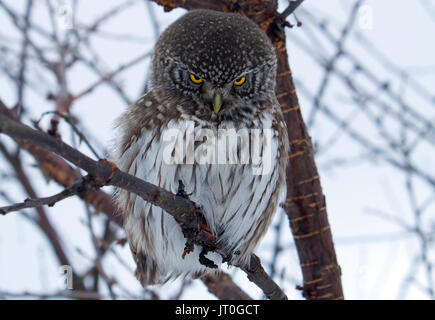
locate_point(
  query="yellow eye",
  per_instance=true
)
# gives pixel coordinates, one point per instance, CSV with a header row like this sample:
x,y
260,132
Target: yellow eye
x,y
240,81
195,79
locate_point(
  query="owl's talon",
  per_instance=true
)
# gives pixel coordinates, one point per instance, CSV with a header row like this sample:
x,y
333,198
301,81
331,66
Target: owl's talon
x,y
206,261
188,247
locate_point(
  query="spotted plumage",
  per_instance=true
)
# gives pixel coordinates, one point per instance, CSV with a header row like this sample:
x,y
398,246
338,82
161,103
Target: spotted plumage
x,y
196,91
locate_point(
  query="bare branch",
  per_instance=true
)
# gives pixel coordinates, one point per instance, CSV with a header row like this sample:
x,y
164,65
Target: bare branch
x,y
78,187
104,172
293,5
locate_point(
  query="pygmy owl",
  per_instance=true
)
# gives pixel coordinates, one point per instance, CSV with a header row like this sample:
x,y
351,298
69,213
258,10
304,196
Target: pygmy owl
x,y
210,109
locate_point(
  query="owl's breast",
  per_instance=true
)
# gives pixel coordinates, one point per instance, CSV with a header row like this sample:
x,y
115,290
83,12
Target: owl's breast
x,y
232,174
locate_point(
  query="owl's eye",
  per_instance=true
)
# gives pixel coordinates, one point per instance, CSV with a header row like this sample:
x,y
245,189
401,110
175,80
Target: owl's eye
x,y
240,81
195,79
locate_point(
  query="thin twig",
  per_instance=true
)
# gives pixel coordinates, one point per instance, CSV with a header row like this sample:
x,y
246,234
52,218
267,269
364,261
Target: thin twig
x,y
78,187
293,5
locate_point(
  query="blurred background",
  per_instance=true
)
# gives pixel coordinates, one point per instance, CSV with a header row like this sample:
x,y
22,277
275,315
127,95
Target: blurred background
x,y
365,77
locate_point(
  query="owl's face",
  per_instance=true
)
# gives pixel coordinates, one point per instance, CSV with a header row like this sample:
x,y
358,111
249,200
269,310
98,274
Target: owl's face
x,y
221,66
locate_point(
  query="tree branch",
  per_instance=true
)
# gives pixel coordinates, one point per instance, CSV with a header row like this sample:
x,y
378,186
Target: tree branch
x,y
104,173
305,205
78,187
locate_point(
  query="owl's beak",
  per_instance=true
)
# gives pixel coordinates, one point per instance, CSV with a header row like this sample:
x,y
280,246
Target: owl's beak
x,y
217,102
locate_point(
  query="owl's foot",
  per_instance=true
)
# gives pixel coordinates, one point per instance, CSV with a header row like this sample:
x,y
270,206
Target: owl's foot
x,y
206,261
192,235
181,192
188,234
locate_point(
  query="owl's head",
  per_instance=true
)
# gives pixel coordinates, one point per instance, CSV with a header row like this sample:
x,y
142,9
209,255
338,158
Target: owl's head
x,y
223,62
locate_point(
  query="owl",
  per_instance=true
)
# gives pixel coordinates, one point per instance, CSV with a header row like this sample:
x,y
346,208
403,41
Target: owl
x,y
211,123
